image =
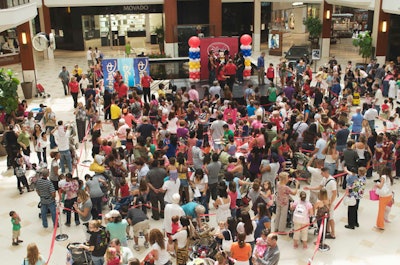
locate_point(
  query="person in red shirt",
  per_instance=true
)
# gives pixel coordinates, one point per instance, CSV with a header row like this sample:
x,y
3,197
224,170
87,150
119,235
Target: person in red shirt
x,y
73,87
123,89
145,82
230,71
117,80
221,77
271,72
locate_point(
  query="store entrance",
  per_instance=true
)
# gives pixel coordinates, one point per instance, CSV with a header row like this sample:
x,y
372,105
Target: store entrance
x,y
116,30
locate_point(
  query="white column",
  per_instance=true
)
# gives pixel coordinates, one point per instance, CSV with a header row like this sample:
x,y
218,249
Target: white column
x,y
257,26
171,49
325,49
375,25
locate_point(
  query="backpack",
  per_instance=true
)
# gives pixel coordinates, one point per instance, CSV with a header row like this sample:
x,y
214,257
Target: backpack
x,y
300,214
272,95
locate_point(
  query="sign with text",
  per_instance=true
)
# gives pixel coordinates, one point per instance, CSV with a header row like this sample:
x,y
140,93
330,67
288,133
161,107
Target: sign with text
x,y
109,67
140,64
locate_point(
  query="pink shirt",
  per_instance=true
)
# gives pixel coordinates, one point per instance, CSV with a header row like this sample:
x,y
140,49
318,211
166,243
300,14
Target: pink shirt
x,y
193,95
233,196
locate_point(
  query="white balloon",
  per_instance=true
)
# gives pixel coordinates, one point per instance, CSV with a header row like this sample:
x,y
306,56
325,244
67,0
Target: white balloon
x,y
191,80
247,68
197,80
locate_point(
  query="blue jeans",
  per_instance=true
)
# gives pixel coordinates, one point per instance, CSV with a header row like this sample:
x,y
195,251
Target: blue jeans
x,y
65,158
44,209
372,124
385,90
52,140
378,108
98,260
205,200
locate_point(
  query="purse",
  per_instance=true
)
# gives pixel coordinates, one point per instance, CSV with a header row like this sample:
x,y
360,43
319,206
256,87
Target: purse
x,y
226,244
350,201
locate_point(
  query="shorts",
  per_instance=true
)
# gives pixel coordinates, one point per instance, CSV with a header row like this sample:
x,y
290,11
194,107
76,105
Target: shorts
x,y
142,226
184,183
16,234
332,211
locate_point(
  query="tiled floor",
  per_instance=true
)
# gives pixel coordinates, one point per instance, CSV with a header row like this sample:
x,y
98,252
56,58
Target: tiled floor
x,y
361,246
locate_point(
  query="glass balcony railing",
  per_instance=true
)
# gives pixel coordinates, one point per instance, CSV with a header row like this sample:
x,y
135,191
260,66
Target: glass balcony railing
x,y
4,4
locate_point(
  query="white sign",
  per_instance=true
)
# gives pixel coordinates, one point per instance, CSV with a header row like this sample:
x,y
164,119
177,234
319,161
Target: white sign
x,y
316,54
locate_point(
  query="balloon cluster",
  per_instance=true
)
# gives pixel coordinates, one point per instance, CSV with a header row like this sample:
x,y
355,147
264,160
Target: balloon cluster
x,y
245,48
194,59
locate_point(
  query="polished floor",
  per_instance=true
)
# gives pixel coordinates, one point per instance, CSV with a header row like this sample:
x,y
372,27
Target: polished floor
x,y
365,245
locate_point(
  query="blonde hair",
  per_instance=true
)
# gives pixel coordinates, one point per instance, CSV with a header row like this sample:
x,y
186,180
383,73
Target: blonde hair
x,y
283,176
362,171
83,195
323,194
95,223
32,253
110,254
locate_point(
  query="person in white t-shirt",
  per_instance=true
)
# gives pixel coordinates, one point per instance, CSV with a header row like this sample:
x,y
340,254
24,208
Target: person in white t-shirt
x,y
90,57
159,250
316,177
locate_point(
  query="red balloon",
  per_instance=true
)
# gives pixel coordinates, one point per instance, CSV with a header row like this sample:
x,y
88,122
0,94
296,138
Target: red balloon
x,y
245,39
194,42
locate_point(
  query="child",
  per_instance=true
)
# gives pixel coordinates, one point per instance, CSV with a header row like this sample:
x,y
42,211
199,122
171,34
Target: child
x,y
16,222
111,256
134,187
124,189
261,243
106,147
19,171
175,224
232,193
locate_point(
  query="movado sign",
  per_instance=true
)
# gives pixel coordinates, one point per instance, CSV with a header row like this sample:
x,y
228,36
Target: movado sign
x,y
136,8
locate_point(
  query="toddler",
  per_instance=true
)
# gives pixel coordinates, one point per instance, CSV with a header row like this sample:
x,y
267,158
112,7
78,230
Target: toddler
x,y
16,229
111,256
261,243
175,224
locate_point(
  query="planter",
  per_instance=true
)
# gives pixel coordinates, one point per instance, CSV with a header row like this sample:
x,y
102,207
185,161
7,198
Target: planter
x,y
27,89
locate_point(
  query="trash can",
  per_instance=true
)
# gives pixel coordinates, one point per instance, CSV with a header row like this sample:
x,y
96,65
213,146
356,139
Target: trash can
x,y
153,39
27,89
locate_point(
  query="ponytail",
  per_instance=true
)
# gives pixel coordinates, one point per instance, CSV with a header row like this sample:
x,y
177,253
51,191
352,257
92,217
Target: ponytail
x,y
241,239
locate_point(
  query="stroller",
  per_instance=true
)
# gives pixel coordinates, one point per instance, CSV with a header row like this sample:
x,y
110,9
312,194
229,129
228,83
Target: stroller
x,y
77,255
204,245
40,92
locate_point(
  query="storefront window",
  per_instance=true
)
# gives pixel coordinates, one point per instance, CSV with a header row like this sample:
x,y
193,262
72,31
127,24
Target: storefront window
x,y
313,10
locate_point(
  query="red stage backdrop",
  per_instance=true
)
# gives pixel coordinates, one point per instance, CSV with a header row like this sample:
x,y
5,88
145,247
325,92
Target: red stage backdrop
x,y
216,44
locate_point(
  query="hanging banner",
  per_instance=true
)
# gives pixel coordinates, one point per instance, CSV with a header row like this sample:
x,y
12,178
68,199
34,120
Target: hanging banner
x,y
140,65
109,67
125,66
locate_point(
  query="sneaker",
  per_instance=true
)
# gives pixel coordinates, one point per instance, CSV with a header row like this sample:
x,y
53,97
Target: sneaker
x,y
136,247
78,223
379,228
329,236
146,244
349,227
15,244
67,224
20,241
21,192
387,221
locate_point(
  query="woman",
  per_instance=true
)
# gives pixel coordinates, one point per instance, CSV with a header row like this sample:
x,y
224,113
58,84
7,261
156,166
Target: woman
x,y
98,241
222,258
191,142
230,112
231,147
24,140
247,227
241,251
96,137
283,193
93,187
172,123
33,256
385,192
366,129
302,210
263,219
73,87
171,146
198,155
39,143
10,140
363,152
199,182
222,204
310,137
49,120
172,185
331,156
254,162
182,238
355,186
159,251
80,117
84,207
54,166
117,226
183,177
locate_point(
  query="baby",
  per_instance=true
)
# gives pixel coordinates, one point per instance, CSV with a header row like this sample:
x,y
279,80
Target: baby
x,y
261,243
175,224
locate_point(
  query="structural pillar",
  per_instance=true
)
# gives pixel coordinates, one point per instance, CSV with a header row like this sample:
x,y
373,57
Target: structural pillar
x,y
257,26
171,21
45,26
380,31
26,53
326,31
215,14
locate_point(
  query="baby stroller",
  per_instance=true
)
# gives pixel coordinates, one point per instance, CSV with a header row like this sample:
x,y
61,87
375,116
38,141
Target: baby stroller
x,y
77,255
40,92
204,246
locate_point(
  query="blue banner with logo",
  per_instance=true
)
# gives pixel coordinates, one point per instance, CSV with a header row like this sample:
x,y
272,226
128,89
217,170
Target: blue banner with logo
x,y
125,66
109,66
140,65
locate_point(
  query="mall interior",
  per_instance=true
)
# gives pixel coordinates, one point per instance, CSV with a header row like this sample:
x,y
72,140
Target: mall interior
x,y
162,27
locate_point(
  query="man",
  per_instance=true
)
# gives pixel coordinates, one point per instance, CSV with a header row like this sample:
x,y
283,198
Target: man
x,y
299,127
61,134
261,69
335,90
47,194
142,168
350,157
171,210
215,89
319,147
316,176
90,57
115,113
357,120
155,178
269,169
124,253
378,99
64,76
230,70
145,129
212,171
341,136
145,82
370,115
300,68
123,90
289,91
139,222
217,131
121,132
329,183
272,254
193,94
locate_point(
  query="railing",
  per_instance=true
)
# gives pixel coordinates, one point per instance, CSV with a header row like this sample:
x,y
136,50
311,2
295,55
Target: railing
x,y
169,68
4,4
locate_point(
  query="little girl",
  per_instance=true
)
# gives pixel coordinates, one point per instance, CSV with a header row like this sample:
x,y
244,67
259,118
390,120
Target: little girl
x,y
111,256
232,193
175,224
261,243
124,189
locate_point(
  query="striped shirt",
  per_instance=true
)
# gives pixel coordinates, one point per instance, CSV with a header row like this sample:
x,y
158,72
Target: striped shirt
x,y
45,189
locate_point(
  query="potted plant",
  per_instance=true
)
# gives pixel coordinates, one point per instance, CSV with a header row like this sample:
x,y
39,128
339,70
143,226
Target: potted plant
x,y
364,44
159,31
8,90
314,27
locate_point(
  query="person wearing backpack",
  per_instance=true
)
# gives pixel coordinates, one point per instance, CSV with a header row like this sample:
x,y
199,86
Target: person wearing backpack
x,y
302,210
272,93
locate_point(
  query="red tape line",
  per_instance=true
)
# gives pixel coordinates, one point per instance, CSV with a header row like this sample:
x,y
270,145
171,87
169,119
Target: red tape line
x,y
53,237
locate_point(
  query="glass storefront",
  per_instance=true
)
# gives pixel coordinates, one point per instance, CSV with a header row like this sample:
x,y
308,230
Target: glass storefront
x,y
292,18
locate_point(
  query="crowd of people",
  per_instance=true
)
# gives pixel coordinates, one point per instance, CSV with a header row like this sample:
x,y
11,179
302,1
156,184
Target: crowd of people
x,y
175,153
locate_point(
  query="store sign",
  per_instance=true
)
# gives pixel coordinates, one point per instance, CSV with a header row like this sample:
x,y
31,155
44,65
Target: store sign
x,y
135,8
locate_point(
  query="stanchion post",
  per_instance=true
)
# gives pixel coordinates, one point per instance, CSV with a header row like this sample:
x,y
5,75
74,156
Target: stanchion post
x,y
61,236
85,140
322,246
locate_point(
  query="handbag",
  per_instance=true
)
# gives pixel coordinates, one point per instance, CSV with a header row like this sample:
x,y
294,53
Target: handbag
x,y
350,201
226,244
